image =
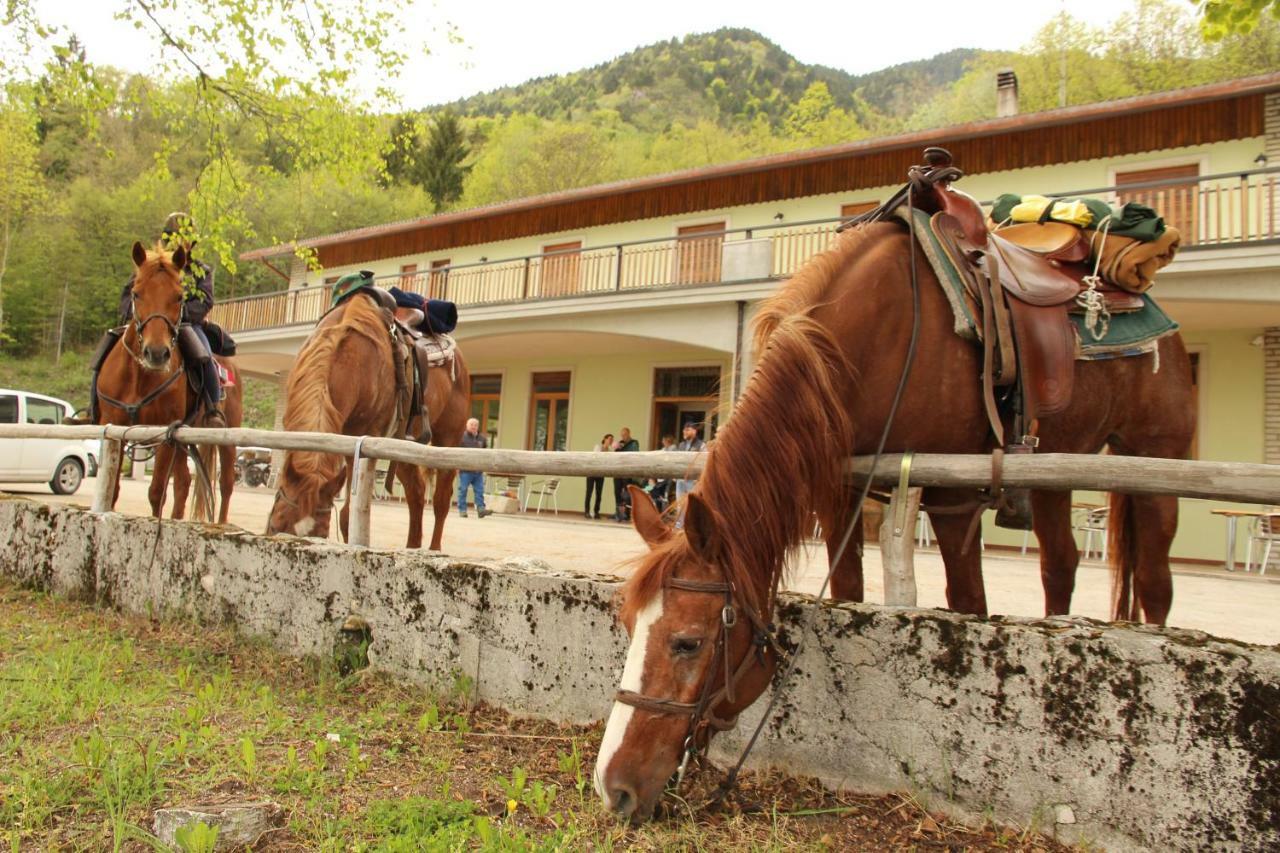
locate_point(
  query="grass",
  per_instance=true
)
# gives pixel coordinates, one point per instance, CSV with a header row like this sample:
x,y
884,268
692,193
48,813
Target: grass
x,y
105,718
69,380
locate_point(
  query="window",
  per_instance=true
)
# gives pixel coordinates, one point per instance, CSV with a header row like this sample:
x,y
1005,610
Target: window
x,y
8,409
439,278
857,208
549,411
561,266
44,412
486,398
408,276
1177,203
698,253
684,395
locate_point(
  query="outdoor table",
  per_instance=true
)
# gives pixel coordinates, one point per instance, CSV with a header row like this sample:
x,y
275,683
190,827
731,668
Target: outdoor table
x,y
1233,516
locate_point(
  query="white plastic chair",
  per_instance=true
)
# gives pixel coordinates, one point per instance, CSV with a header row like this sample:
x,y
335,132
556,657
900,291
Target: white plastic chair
x,y
1092,523
543,489
1265,532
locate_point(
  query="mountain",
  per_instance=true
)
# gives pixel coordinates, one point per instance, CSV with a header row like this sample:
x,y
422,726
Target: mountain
x,y
729,76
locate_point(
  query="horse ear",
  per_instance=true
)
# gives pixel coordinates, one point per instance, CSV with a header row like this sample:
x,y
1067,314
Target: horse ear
x,y
700,528
180,259
139,254
647,519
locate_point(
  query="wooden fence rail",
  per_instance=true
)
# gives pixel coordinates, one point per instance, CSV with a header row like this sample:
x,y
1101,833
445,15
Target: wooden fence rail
x,y
1228,481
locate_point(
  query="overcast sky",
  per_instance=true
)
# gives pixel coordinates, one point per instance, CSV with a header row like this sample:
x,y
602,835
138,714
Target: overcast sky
x,y
506,42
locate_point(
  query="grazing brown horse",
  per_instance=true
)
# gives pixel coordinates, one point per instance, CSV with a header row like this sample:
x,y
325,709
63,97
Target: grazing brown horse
x,y
143,381
831,344
344,382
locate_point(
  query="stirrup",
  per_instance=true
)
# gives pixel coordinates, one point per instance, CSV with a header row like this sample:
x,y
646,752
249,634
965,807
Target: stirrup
x,y
215,419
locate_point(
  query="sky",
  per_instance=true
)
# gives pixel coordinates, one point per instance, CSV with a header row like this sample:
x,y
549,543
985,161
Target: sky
x,y
504,42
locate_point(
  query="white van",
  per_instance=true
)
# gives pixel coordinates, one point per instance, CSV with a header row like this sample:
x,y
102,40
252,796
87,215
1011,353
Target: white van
x,y
60,462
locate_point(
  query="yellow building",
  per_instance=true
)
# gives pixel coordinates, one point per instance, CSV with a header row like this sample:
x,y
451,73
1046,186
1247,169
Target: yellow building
x,y
629,304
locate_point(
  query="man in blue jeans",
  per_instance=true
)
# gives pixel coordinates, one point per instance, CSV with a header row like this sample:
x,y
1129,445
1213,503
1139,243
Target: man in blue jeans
x,y
473,480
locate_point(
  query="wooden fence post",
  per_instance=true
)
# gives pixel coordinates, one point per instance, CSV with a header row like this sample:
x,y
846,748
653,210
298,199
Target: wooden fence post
x,y
108,475
897,547
362,502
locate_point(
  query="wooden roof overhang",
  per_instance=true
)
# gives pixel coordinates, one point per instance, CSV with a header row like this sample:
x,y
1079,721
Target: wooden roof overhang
x,y
1204,114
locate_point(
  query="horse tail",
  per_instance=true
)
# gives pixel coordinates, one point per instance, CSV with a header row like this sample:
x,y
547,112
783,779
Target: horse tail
x,y
204,495
1123,547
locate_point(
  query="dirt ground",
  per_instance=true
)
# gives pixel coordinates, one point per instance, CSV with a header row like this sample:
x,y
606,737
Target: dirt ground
x,y
1237,606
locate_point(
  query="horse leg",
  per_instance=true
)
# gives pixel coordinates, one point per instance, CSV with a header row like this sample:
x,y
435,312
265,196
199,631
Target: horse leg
x,y
344,517
181,484
226,481
962,558
846,579
413,478
160,479
441,502
1152,522
1059,557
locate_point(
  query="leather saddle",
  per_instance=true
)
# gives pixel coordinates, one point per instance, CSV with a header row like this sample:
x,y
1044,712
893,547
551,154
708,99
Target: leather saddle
x,y
1026,280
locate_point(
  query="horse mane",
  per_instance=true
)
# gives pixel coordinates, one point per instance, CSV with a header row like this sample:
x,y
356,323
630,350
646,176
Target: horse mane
x,y
158,259
778,459
310,406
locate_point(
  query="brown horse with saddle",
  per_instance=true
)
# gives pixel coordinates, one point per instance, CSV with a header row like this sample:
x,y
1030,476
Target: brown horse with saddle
x,y
918,330
154,377
364,370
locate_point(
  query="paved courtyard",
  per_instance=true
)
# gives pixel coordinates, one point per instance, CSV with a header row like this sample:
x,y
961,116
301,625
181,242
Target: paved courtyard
x,y
1241,607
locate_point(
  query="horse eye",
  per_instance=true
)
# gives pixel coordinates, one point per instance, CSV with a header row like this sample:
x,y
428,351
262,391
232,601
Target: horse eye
x,y
685,646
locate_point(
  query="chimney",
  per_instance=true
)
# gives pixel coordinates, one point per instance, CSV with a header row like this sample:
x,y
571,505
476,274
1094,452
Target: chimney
x,y
1006,93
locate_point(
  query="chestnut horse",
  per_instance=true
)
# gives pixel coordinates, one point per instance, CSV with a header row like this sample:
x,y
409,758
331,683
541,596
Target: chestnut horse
x,y
344,382
145,372
832,342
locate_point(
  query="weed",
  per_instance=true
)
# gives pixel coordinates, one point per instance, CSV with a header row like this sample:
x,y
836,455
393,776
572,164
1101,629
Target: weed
x,y
198,837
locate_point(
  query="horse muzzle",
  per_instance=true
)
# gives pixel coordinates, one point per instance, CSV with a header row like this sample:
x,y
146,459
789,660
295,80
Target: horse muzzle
x,y
156,358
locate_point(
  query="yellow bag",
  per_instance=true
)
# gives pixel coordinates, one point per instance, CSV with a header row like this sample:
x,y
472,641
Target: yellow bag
x,y
1031,208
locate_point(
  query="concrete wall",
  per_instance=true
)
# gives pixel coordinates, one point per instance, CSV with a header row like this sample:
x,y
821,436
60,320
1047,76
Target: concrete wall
x,y
1126,737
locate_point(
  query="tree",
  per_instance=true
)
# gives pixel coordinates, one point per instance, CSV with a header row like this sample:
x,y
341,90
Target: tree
x,y
403,149
1222,18
21,183
441,172
272,70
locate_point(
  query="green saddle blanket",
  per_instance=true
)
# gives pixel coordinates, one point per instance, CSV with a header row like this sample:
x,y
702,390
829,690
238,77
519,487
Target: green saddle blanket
x,y
1133,333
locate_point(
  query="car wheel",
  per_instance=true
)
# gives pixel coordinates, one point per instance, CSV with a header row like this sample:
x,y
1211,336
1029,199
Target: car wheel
x,y
67,477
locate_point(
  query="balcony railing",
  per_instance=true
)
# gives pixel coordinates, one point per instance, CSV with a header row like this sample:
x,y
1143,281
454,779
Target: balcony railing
x,y
1212,210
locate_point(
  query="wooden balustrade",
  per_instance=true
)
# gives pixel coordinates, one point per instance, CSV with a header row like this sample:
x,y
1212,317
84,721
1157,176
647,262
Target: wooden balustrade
x,y
1215,211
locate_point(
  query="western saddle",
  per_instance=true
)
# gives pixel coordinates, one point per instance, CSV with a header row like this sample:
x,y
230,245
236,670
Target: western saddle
x,y
1021,281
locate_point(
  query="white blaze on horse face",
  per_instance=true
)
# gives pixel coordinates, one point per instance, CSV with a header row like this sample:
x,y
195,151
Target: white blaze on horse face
x,y
633,680
304,527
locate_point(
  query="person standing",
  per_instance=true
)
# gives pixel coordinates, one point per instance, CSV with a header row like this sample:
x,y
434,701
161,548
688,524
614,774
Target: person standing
x,y
472,479
690,441
596,484
622,500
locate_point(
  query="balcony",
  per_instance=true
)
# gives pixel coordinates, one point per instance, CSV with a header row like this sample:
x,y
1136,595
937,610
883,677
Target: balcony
x,y
1211,211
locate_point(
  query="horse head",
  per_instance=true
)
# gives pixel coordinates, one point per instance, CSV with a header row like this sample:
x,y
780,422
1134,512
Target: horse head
x,y
157,304
304,499
700,652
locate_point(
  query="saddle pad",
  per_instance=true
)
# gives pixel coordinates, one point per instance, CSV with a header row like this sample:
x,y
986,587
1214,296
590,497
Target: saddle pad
x,y
1131,333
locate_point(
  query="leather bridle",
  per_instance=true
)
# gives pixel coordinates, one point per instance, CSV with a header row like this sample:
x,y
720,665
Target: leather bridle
x,y
702,717
133,409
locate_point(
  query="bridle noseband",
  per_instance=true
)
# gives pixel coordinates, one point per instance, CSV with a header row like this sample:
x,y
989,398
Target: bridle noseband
x,y
702,717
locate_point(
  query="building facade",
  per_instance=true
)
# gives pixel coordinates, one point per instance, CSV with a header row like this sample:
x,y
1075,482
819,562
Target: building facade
x,y
629,304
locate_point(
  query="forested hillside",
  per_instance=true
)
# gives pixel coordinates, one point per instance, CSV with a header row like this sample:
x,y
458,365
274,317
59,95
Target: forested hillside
x,y
92,159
